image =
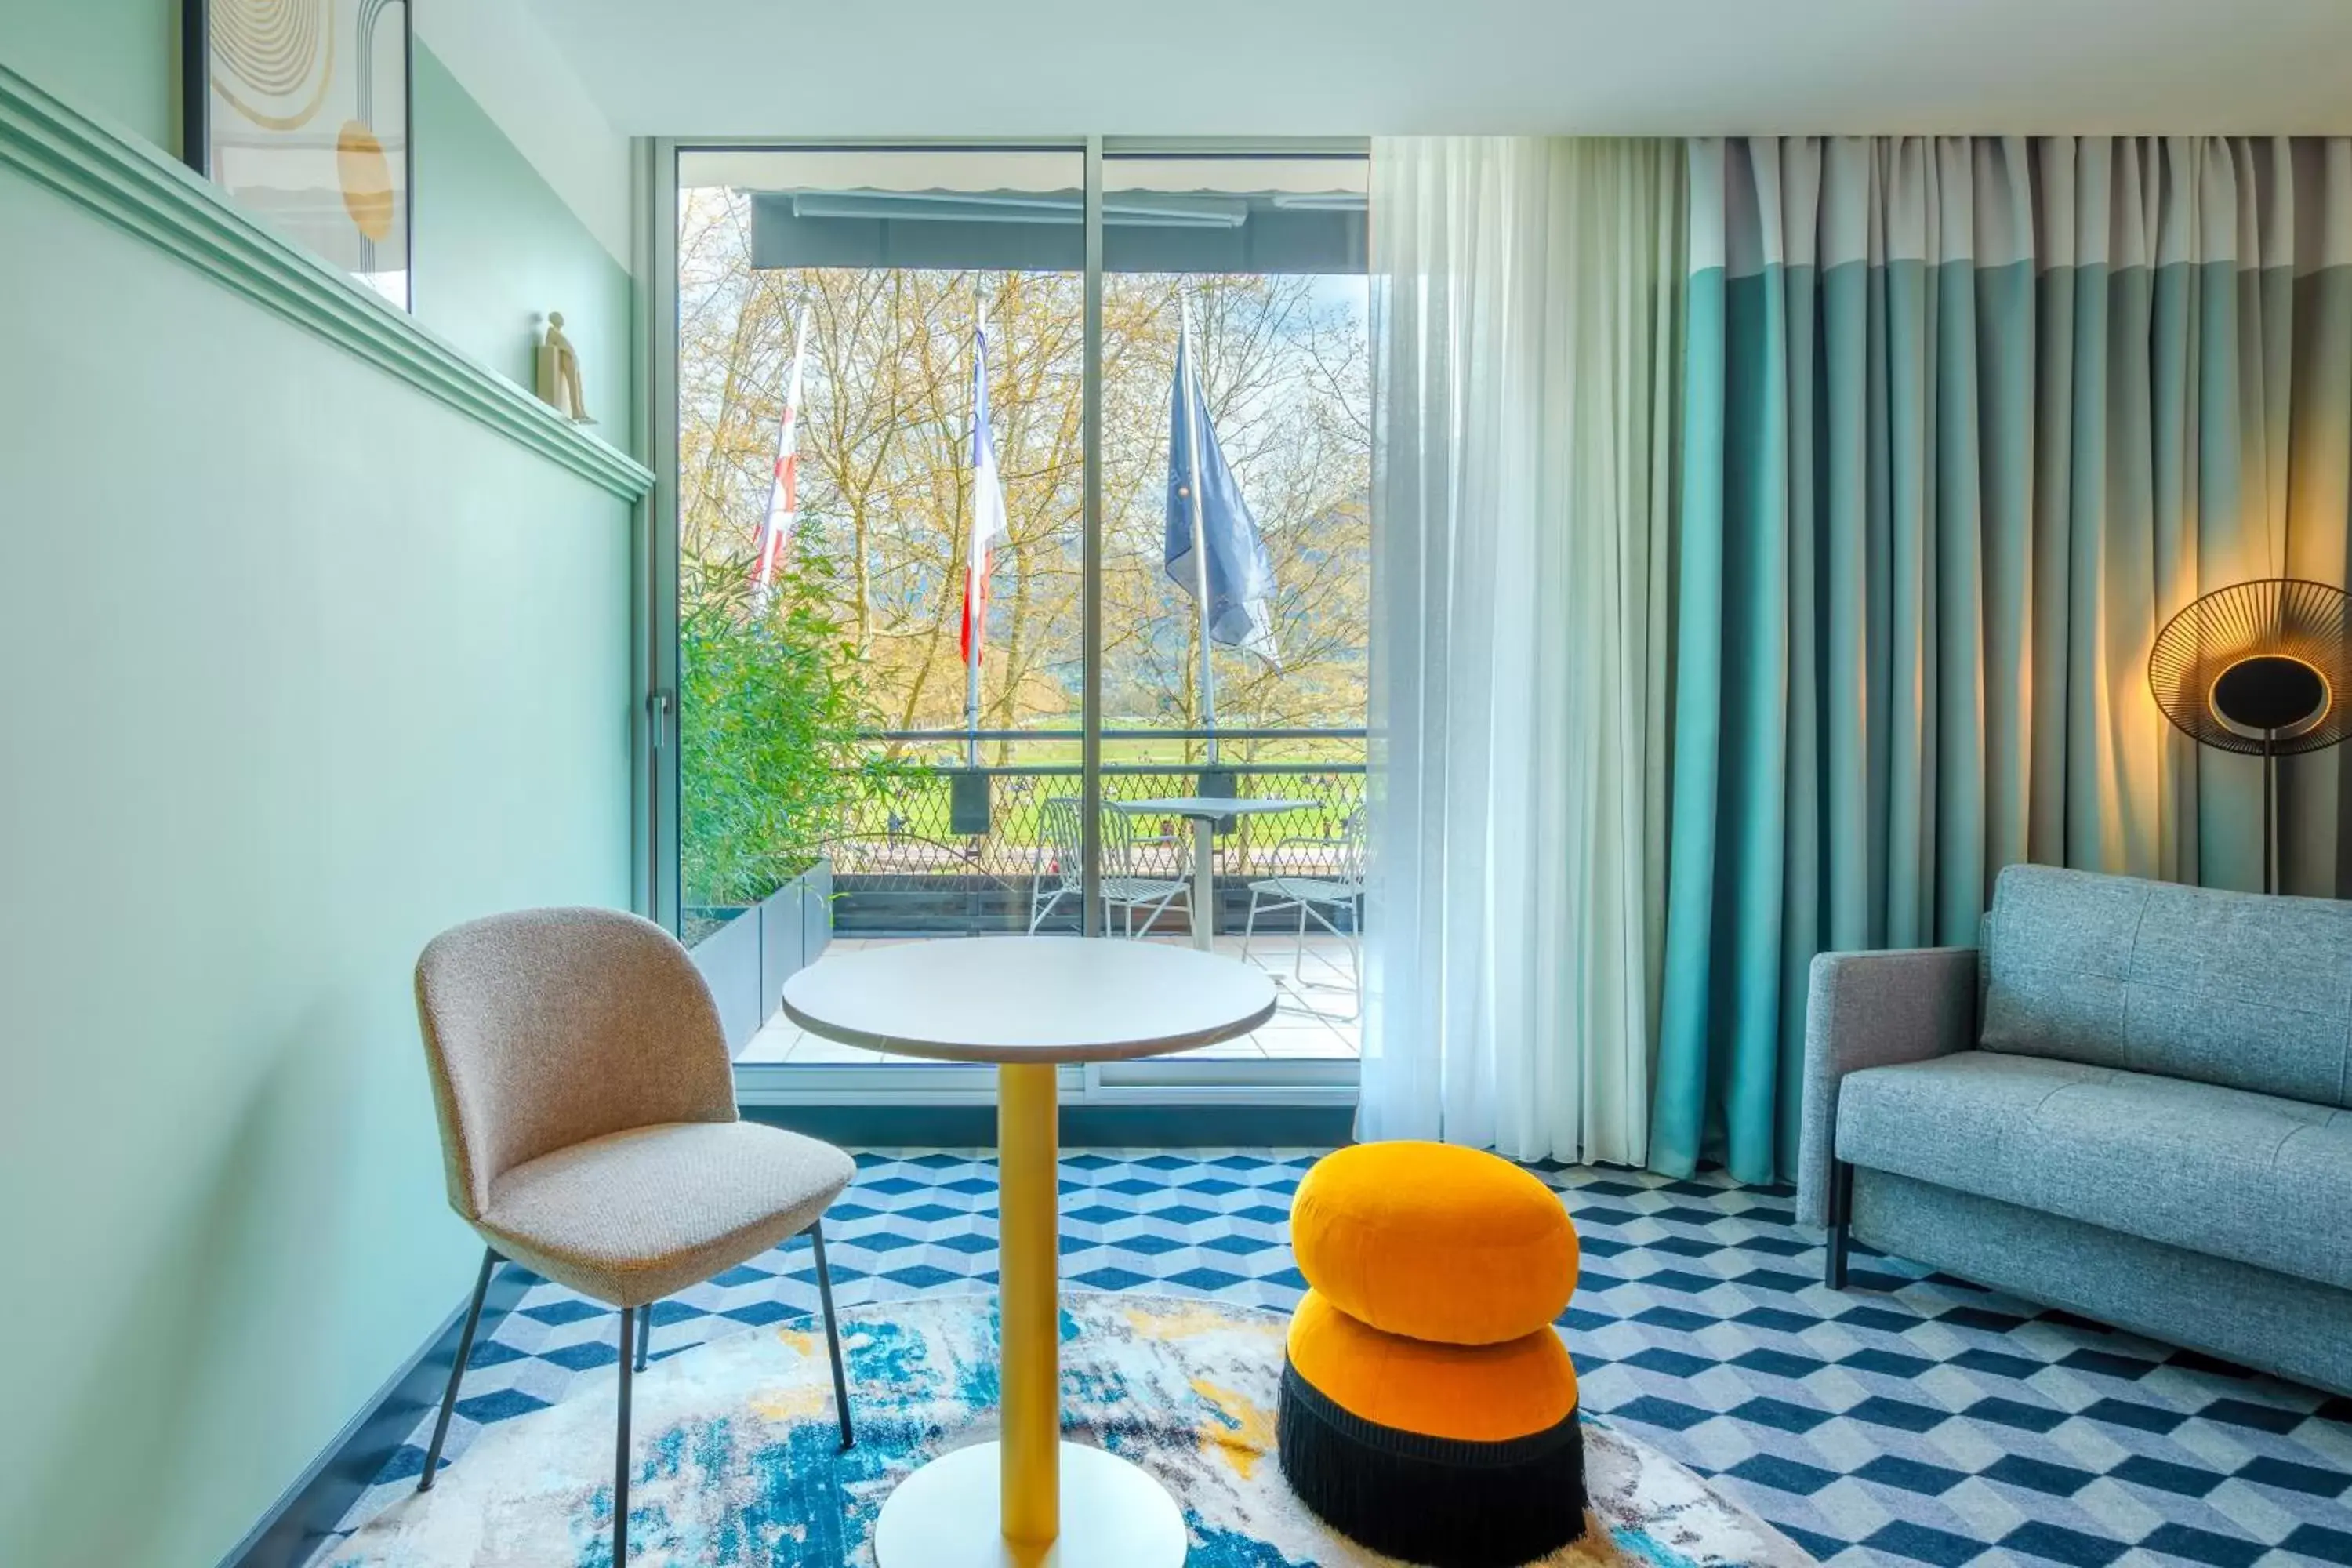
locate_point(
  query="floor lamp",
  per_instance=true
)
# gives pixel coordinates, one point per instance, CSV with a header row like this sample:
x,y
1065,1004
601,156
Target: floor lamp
x,y
2261,668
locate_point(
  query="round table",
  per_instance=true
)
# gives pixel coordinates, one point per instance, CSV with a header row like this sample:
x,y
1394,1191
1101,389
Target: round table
x,y
1205,811
1027,1003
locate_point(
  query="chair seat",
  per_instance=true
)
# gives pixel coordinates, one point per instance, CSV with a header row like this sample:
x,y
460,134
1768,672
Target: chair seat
x,y
1308,889
634,1216
2224,1172
1140,890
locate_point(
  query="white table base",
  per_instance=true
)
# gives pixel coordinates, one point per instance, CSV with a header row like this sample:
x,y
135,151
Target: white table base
x,y
946,1515
1205,884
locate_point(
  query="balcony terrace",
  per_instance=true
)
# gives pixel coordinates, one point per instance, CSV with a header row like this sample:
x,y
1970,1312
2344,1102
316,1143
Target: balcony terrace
x,y
924,855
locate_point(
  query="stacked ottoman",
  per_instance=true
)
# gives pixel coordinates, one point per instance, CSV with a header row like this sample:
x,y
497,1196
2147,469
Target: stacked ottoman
x,y
1428,1406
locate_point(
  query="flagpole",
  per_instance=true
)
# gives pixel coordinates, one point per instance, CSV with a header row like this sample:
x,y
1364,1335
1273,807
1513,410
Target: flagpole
x,y
1200,533
971,567
772,549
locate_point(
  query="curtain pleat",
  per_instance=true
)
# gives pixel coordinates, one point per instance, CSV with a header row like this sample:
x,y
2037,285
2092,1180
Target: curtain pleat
x,y
1525,350
1964,420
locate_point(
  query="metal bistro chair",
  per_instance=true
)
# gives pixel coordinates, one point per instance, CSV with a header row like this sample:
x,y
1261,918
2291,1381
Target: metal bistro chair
x,y
589,1131
1062,877
1343,888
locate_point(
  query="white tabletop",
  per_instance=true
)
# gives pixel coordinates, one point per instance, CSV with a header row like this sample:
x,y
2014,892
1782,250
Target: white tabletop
x,y
1209,806
1029,999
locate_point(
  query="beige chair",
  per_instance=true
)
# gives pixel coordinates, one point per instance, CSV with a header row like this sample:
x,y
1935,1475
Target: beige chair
x,y
589,1128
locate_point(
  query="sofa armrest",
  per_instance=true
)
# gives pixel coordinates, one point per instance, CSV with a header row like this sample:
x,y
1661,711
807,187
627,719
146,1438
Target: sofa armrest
x,y
1873,1010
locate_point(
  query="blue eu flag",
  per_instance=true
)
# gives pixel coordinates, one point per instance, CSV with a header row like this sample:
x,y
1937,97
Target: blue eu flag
x,y
1240,573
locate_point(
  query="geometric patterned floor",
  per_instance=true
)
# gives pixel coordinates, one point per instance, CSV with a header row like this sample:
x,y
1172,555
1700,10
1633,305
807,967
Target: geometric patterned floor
x,y
1910,1419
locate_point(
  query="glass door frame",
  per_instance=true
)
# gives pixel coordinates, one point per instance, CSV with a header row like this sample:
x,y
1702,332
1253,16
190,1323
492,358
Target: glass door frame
x,y
1307,1082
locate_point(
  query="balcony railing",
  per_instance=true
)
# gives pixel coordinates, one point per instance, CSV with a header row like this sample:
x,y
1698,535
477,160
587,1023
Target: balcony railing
x,y
901,868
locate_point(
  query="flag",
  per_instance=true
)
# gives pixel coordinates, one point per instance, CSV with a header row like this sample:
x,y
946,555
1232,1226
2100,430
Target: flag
x,y
1241,573
783,491
988,528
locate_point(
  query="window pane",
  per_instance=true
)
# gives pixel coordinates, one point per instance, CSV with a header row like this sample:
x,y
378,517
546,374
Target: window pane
x,y
828,704
1266,286
829,710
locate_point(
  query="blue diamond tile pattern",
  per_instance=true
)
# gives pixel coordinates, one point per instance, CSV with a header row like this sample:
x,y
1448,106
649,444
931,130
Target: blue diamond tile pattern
x,y
1911,1419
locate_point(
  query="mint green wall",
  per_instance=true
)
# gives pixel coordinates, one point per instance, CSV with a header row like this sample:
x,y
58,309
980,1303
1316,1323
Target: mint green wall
x,y
305,666
496,248
116,60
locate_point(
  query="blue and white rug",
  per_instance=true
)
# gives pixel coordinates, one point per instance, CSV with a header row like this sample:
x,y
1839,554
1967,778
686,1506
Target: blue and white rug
x,y
737,1463
1913,1419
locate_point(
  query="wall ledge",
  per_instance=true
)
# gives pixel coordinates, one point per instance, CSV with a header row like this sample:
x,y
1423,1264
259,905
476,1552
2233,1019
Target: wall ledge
x,y
157,199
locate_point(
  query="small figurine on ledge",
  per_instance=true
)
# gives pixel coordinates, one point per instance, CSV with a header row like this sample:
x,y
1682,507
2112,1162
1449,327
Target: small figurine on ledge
x,y
559,374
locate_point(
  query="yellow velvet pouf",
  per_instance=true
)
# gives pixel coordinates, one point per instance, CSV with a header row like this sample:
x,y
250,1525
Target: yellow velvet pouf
x,y
1435,1241
1429,1409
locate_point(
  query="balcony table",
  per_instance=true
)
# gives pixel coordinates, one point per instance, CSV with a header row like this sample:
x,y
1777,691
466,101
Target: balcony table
x,y
1205,812
1026,1004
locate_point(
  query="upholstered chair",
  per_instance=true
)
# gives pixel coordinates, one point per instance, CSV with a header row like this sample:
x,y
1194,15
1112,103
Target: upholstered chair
x,y
589,1128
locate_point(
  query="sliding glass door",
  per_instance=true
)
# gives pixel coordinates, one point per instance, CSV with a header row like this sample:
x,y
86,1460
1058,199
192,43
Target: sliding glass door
x,y
881,713
1236,477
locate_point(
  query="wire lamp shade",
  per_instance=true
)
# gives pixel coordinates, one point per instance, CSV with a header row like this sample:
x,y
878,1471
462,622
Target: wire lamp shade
x,y
2261,668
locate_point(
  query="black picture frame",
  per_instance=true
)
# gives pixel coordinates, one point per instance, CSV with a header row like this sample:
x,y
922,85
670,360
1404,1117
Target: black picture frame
x,y
195,116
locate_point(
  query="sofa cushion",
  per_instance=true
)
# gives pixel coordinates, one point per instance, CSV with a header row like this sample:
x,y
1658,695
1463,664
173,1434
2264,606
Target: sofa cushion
x,y
2219,1170
2227,988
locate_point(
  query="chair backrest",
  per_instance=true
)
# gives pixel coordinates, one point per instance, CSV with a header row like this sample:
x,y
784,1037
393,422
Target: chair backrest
x,y
1064,839
1355,839
1121,836
2234,989
544,1028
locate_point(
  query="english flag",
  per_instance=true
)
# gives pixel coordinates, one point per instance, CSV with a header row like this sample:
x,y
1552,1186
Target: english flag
x,y
783,491
988,528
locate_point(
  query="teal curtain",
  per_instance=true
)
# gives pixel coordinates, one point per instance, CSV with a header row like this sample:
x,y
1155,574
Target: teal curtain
x,y
1964,420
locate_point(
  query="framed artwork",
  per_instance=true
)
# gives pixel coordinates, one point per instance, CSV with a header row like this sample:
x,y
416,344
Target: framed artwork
x,y
299,109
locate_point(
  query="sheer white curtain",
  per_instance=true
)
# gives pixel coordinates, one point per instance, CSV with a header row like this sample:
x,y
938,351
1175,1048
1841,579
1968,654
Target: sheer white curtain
x,y
1526,316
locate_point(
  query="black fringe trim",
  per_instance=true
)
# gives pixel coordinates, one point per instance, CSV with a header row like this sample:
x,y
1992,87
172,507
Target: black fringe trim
x,y
1442,1501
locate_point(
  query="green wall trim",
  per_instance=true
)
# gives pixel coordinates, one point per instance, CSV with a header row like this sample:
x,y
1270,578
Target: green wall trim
x,y
147,194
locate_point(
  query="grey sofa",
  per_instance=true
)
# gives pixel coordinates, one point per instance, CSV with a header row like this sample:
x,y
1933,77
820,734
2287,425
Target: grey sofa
x,y
2131,1103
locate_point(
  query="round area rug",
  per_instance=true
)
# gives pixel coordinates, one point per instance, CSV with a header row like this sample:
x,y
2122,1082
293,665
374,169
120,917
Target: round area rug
x,y
738,1465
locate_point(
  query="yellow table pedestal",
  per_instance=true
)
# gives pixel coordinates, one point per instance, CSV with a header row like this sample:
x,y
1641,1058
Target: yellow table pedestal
x,y
1030,1501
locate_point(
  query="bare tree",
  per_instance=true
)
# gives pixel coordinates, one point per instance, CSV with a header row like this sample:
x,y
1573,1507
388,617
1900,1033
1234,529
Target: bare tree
x,y
886,473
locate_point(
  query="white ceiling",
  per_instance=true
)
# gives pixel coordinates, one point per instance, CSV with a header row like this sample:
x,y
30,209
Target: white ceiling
x,y
987,68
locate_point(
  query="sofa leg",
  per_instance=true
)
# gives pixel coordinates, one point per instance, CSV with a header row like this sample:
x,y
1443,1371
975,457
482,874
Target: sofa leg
x,y
1841,1214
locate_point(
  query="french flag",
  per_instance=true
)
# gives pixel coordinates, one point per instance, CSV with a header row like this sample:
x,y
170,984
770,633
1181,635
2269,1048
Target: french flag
x,y
783,491
988,526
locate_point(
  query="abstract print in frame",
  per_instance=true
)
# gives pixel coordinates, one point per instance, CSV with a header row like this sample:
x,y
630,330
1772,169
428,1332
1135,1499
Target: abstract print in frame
x,y
299,109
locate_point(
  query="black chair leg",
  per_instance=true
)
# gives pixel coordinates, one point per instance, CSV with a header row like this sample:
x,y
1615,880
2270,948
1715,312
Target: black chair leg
x,y
1841,1217
458,1370
645,1334
832,1334
621,1446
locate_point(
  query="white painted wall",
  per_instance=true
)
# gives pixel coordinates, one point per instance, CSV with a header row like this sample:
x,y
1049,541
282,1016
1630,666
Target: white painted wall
x,y
919,67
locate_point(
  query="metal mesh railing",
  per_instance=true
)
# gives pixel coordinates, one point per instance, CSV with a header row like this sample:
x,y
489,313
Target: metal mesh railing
x,y
900,863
